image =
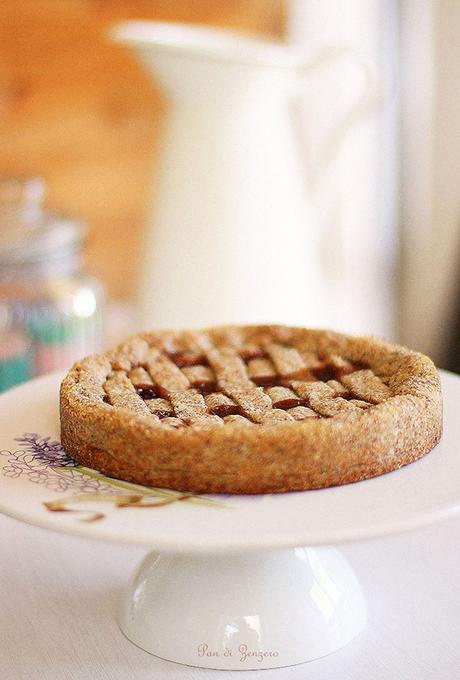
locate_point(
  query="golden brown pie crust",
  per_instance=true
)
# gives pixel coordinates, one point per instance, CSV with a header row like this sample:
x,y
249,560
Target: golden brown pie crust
x,y
250,409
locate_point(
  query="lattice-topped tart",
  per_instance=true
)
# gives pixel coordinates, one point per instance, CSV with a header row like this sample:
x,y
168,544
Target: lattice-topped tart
x,y
250,409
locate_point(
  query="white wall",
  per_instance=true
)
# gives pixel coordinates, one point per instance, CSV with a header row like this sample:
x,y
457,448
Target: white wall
x,y
430,38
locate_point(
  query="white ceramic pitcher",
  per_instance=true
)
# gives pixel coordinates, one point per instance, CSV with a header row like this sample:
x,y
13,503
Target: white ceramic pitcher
x,y
233,235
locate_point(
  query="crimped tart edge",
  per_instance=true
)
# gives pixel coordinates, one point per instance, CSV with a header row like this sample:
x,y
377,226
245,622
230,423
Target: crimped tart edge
x,y
272,458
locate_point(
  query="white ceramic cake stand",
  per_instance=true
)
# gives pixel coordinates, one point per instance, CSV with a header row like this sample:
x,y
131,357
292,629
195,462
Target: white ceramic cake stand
x,y
231,584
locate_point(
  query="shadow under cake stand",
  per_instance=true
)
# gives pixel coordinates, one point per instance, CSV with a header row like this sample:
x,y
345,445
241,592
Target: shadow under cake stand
x,y
231,584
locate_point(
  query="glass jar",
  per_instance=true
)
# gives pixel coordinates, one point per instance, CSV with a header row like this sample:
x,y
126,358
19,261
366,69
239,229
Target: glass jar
x,y
50,310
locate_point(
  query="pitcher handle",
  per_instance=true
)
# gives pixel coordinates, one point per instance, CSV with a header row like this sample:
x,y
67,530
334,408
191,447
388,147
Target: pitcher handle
x,y
370,95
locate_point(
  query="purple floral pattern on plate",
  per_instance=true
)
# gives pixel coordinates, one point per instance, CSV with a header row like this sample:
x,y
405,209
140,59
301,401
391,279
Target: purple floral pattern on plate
x,y
44,461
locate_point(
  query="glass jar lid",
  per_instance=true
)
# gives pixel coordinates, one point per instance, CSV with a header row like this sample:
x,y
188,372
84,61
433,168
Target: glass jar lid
x,y
34,240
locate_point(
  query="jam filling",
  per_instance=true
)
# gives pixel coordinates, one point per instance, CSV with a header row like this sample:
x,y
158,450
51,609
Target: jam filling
x,y
223,410
249,353
289,403
325,373
149,392
266,380
205,387
182,359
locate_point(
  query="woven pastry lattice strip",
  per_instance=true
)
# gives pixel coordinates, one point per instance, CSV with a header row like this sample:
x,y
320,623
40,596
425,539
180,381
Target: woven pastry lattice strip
x,y
201,385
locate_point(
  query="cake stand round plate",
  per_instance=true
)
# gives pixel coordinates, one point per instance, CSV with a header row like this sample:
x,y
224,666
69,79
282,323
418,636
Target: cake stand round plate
x,y
232,584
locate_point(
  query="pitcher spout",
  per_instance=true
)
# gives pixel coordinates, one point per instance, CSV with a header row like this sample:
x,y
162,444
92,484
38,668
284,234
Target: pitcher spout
x,y
193,60
198,41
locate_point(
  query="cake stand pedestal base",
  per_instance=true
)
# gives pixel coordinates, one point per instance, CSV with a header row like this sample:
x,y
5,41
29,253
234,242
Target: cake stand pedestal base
x,y
243,611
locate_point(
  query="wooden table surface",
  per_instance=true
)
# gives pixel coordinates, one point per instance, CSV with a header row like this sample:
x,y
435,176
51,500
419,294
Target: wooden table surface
x,y
59,595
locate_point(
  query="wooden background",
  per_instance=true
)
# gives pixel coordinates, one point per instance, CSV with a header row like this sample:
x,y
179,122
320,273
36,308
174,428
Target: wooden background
x,y
80,112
